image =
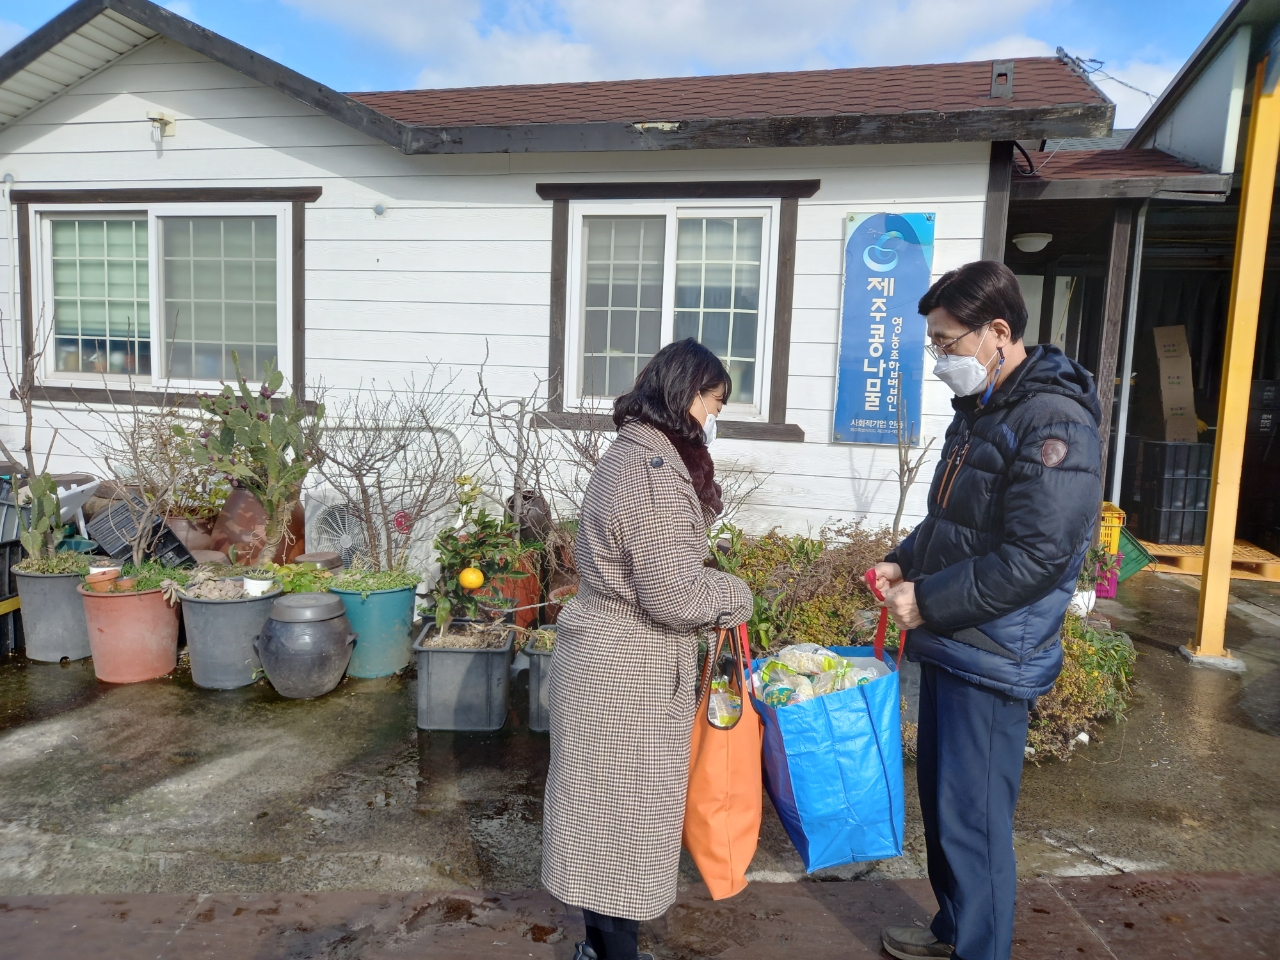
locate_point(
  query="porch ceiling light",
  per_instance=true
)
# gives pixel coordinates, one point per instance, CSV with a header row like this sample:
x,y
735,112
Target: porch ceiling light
x,y
1032,242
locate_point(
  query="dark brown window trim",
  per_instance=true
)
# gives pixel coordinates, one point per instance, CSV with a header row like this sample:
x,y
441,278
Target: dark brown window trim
x,y
173,195
729,429
681,190
299,197
789,191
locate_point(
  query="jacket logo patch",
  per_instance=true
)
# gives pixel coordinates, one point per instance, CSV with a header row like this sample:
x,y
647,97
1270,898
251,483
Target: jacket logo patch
x,y
1053,452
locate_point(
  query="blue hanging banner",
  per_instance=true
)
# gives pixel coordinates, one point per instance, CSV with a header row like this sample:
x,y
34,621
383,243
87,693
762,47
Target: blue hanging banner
x,y
888,258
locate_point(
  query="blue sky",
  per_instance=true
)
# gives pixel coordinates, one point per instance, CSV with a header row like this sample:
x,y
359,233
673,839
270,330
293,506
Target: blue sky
x,y
397,44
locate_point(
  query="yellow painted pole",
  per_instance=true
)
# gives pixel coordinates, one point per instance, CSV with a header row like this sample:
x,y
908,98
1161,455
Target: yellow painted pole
x,y
1237,365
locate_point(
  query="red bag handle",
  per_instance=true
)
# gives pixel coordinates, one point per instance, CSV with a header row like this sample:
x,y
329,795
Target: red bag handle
x,y
883,626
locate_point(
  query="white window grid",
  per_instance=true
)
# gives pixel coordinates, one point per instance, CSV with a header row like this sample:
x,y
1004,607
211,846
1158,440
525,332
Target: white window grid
x,y
160,378
672,210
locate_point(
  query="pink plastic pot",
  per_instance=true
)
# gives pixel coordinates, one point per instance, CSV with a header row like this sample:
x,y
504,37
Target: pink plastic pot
x,y
1107,586
132,636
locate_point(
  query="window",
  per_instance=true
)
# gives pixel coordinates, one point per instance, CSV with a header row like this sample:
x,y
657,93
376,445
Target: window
x,y
643,275
219,295
101,298
165,293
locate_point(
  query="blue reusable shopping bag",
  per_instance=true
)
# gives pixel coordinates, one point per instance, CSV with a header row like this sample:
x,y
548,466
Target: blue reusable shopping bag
x,y
833,769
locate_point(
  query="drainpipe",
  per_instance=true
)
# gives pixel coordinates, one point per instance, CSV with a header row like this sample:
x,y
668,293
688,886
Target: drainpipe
x,y
1130,332
13,248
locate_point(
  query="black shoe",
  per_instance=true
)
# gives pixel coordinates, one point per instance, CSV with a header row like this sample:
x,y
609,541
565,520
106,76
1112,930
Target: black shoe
x,y
583,951
908,943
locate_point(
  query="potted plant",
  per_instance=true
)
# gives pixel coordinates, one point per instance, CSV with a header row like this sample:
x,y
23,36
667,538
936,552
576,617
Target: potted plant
x,y
463,656
258,581
1108,575
133,627
222,620
541,644
1086,593
380,607
47,579
264,446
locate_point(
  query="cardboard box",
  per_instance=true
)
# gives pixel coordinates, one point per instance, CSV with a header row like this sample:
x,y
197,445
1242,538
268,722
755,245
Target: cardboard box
x,y
1177,389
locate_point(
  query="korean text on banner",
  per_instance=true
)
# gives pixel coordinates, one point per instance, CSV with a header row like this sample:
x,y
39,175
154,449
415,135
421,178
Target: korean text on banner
x,y
888,258
1177,389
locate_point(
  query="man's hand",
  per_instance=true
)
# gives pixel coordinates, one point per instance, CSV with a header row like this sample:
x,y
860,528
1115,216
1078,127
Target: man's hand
x,y
887,575
900,601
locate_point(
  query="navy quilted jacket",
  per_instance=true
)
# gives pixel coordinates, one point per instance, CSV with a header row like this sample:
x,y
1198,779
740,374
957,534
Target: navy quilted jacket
x,y
1011,513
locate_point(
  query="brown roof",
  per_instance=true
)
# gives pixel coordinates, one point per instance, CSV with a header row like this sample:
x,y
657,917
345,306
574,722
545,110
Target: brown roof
x,y
1103,164
943,87
1113,174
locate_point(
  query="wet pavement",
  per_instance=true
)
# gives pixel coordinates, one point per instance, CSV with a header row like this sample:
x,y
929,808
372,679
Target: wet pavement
x,y
163,788
1173,917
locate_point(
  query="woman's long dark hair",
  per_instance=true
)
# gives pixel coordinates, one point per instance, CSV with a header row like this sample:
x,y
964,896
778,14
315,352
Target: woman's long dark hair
x,y
664,391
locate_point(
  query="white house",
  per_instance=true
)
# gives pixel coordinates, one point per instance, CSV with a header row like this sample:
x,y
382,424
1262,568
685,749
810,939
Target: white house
x,y
175,195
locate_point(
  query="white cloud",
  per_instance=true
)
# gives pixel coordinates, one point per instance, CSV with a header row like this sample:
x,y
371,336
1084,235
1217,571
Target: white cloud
x,y
1006,48
463,42
1131,105
10,33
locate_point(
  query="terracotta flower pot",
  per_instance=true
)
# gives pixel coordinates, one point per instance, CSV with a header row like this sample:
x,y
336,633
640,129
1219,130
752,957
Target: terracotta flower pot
x,y
556,599
133,636
100,581
194,534
243,524
525,591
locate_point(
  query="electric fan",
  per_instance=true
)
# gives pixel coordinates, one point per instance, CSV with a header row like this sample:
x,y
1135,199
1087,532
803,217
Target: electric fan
x,y
338,530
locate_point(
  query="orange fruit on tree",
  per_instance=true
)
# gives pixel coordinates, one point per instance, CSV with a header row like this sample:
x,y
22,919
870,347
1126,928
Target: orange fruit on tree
x,y
471,579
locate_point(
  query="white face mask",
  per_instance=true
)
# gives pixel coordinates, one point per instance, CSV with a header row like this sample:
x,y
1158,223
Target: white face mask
x,y
709,424
964,375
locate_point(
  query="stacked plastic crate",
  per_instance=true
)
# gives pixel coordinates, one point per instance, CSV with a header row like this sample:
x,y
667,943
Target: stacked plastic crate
x,y
1260,483
1174,505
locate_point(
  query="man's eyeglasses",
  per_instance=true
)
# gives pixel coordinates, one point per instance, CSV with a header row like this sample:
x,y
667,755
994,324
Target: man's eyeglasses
x,y
937,350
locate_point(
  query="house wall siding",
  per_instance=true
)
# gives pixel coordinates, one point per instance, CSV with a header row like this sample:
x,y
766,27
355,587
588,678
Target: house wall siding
x,y
459,265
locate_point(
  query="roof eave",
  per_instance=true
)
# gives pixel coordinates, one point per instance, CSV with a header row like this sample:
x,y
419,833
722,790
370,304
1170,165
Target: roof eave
x,y
978,125
1207,187
215,47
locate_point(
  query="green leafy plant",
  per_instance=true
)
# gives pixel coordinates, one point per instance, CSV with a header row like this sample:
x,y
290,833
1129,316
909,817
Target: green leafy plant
x,y
261,444
152,576
64,561
489,544
43,530
300,577
371,581
1108,565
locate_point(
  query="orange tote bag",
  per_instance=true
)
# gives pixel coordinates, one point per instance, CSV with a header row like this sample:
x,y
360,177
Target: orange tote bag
x,y
726,787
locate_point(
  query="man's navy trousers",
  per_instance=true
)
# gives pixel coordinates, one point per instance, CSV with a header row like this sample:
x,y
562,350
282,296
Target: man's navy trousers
x,y
969,767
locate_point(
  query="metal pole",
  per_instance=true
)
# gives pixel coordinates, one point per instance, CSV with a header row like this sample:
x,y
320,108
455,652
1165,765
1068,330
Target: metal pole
x,y
1127,373
1252,231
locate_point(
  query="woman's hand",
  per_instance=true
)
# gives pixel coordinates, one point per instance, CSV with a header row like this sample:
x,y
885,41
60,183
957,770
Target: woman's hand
x,y
900,601
887,575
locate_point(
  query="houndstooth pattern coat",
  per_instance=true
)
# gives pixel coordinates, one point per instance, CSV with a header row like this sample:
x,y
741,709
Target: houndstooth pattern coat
x,y
623,680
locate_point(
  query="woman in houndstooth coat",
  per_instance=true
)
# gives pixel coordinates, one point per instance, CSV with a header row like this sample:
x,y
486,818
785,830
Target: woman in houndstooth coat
x,y
624,670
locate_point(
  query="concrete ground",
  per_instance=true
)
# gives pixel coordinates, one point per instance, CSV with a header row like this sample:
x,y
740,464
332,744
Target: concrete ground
x,y
163,788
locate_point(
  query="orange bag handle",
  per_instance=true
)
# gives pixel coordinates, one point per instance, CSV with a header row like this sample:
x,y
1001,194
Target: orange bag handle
x,y
741,661
883,626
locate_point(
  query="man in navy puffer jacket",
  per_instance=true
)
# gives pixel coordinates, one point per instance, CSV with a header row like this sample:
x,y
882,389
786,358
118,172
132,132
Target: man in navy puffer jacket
x,y
982,585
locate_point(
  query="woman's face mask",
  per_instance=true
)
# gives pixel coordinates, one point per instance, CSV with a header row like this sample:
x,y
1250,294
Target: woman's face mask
x,y
709,424
965,375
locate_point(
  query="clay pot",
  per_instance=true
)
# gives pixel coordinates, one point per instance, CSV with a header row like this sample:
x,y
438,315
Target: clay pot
x,y
243,524
125,584
194,534
526,591
102,580
556,599
133,636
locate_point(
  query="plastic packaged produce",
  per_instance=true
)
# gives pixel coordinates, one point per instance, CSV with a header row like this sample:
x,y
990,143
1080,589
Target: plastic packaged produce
x,y
804,671
809,659
724,707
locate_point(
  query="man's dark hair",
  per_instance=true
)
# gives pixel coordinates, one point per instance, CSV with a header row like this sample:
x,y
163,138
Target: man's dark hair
x,y
978,293
664,391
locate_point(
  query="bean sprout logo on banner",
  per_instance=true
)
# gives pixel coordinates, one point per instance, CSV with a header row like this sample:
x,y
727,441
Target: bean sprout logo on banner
x,y
888,258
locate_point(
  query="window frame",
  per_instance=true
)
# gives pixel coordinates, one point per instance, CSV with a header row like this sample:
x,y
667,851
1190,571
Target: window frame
x,y
672,211
44,214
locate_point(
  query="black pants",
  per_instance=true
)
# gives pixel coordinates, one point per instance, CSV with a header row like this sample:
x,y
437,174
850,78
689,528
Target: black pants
x,y
612,938
969,767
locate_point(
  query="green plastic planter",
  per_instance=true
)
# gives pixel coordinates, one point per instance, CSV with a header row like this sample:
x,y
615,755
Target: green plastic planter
x,y
381,624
